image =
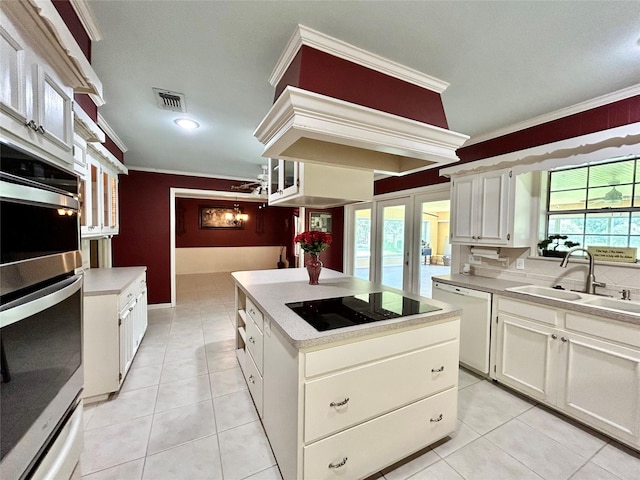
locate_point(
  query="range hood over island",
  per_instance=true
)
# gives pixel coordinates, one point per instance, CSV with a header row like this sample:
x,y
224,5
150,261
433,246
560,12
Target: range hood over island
x,y
339,105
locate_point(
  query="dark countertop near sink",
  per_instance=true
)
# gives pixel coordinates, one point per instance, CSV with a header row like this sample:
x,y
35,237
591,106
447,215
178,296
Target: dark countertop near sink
x,y
499,286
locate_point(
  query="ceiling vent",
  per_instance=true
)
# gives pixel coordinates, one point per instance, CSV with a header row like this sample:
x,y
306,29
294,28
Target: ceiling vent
x,y
168,100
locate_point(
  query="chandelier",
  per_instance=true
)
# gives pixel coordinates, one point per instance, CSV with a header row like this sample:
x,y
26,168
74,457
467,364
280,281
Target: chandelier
x,y
613,196
236,217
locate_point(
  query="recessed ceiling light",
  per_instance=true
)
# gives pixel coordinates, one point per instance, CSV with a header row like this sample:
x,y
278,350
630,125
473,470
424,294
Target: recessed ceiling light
x,y
186,123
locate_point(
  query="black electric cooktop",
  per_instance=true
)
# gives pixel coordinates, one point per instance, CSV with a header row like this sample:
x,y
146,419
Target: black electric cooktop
x,y
339,312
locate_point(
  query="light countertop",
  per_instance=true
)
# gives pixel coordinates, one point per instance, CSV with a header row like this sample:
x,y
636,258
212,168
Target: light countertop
x,y
272,289
498,286
110,281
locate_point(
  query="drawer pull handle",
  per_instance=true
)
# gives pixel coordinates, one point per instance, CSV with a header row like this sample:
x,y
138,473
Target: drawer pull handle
x,y
339,404
438,370
554,336
251,379
564,339
437,419
338,465
252,340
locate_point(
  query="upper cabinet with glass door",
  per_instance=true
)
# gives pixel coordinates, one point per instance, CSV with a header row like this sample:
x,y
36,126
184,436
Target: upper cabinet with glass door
x,y
35,105
295,184
492,209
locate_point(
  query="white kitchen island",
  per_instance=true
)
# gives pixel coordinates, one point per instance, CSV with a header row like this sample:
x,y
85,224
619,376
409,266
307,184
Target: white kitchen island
x,y
344,403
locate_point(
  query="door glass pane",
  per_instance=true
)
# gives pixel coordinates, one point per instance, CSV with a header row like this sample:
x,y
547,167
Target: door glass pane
x,y
393,246
435,250
362,243
289,173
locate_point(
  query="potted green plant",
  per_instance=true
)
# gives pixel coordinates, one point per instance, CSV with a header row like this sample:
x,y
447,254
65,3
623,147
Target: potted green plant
x,y
554,240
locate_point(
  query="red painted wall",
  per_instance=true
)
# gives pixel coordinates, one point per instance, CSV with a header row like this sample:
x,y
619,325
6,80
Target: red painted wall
x,y
608,116
74,25
87,105
326,74
333,256
265,226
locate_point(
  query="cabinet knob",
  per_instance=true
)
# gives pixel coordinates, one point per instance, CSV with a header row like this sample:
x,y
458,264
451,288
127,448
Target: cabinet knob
x,y
564,339
438,370
32,125
339,404
437,419
338,465
252,340
554,336
251,379
41,129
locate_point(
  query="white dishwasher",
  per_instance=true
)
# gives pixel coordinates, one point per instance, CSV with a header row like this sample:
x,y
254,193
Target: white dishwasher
x,y
475,322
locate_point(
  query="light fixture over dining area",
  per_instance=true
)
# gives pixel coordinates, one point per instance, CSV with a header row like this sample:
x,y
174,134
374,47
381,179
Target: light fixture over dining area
x,y
236,217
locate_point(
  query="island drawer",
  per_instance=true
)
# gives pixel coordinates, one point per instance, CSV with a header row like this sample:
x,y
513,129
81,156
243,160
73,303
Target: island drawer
x,y
366,448
255,313
332,359
341,400
254,382
254,343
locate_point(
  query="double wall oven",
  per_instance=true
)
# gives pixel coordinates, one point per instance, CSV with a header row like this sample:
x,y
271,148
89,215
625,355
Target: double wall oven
x,y
41,373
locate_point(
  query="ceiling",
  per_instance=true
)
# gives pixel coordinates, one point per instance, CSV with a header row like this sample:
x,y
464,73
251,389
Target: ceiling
x,y
506,62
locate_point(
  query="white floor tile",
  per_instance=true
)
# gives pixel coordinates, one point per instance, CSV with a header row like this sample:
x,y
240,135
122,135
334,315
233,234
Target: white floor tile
x,y
440,470
591,471
540,453
125,471
222,361
227,381
141,377
245,451
482,460
269,474
234,410
181,425
124,406
197,460
183,392
184,368
461,437
620,461
411,465
116,444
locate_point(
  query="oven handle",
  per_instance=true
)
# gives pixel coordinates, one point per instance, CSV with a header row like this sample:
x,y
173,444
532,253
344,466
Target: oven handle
x,y
38,301
25,194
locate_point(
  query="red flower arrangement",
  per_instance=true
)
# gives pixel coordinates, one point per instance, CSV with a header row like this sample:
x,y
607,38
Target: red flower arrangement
x,y
313,241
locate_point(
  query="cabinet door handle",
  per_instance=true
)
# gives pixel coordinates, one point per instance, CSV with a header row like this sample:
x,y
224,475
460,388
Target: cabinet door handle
x,y
564,339
437,419
438,370
554,336
339,404
338,465
32,125
41,129
251,379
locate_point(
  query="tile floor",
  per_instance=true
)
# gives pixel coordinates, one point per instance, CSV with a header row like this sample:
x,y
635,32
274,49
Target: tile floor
x,y
184,412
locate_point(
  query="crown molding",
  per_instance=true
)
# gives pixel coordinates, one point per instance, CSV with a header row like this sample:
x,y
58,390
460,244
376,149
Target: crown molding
x,y
86,16
84,126
106,157
102,123
600,101
189,174
312,38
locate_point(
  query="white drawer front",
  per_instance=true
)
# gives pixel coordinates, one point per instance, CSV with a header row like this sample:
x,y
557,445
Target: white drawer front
x,y
254,381
255,343
528,310
132,291
367,448
255,313
344,399
337,358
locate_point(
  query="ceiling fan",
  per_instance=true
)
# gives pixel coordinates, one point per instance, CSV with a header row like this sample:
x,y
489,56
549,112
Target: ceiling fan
x,y
260,187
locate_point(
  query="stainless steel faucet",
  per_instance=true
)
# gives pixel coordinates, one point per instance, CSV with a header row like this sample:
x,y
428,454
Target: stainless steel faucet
x,y
590,283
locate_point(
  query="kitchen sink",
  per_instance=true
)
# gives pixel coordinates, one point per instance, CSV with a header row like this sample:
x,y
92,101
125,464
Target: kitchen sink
x,y
624,306
547,292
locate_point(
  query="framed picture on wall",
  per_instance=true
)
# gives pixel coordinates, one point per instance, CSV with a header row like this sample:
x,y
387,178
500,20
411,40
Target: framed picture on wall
x,y
219,217
320,221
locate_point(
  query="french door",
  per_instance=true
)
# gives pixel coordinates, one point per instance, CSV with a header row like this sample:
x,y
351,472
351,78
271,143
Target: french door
x,y
392,252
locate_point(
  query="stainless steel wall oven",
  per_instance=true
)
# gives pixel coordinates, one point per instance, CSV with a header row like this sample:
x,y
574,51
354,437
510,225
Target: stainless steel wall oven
x,y
40,318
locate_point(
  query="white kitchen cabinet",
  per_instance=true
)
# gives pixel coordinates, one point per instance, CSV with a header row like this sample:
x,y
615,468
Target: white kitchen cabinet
x,y
100,205
313,185
115,321
492,208
35,105
585,366
250,341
